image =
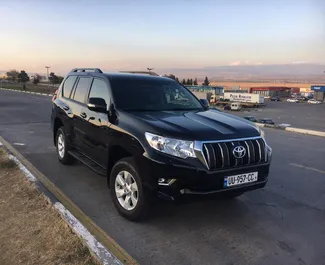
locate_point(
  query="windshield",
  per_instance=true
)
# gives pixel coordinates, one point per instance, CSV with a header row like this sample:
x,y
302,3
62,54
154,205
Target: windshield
x,y
139,94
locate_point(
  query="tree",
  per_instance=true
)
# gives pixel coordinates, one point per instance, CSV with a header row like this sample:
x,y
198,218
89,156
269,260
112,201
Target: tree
x,y
191,81
195,82
53,78
188,82
12,75
177,79
184,82
171,76
36,79
23,78
60,79
206,81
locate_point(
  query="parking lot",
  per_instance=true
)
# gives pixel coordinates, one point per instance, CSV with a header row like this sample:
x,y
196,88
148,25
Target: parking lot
x,y
280,224
299,115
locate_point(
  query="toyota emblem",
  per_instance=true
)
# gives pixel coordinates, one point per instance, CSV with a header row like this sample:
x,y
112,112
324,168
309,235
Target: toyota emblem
x,y
239,151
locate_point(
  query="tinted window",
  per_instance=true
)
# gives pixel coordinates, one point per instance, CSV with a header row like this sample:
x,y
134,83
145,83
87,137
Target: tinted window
x,y
68,85
82,89
99,90
152,94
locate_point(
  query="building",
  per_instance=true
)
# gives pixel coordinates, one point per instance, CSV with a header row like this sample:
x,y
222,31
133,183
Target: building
x,y
319,92
274,91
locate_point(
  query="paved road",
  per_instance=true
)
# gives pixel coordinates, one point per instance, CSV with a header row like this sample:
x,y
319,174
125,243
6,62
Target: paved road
x,y
299,115
281,224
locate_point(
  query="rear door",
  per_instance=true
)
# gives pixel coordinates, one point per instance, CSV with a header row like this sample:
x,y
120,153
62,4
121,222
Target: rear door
x,y
80,118
97,128
65,106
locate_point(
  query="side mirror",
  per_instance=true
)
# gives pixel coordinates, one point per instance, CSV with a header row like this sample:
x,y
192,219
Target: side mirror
x,y
97,104
205,103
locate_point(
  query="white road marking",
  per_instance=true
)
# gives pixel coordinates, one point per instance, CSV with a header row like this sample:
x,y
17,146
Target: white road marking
x,y
308,168
21,144
27,173
105,256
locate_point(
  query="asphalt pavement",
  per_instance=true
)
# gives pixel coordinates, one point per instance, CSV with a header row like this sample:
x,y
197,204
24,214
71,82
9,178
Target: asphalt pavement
x,y
284,223
298,115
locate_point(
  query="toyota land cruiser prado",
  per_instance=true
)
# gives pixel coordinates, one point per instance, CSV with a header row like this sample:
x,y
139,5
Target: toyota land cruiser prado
x,y
151,137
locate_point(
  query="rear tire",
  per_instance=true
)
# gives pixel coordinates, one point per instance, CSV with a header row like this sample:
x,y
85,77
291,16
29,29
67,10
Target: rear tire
x,y
62,147
127,191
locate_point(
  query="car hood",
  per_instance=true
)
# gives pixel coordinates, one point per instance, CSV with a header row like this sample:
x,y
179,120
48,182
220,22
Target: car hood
x,y
203,125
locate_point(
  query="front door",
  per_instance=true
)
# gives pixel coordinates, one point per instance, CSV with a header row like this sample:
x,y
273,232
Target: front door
x,y
96,130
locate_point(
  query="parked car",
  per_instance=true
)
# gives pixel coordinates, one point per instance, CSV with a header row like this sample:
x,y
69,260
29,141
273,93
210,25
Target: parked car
x,y
129,128
275,99
293,100
250,118
314,101
235,106
266,121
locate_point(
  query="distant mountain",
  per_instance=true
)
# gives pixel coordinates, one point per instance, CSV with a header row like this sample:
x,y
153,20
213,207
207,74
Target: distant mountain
x,y
253,72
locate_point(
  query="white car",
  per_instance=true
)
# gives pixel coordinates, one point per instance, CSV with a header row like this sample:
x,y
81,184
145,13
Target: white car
x,y
313,101
294,100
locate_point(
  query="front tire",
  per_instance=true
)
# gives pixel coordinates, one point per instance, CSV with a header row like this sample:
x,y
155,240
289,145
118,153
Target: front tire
x,y
62,148
127,190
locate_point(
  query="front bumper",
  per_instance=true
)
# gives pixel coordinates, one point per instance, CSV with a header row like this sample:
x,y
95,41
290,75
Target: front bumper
x,y
173,181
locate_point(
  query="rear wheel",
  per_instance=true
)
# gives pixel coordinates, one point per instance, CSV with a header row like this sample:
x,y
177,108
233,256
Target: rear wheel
x,y
127,190
62,148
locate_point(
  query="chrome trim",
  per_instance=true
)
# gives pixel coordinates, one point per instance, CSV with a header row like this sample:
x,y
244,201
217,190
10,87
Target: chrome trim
x,y
168,183
222,156
198,147
260,150
249,152
208,155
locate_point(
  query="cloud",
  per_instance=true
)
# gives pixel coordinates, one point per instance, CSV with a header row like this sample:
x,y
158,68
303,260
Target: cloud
x,y
298,62
237,63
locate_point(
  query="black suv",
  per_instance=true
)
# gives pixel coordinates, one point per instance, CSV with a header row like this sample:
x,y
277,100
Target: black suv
x,y
151,137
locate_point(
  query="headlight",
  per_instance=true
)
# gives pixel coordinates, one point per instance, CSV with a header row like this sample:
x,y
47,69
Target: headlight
x,y
171,146
262,134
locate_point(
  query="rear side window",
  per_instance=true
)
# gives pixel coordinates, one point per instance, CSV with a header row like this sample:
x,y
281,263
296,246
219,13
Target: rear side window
x,y
99,90
82,89
68,85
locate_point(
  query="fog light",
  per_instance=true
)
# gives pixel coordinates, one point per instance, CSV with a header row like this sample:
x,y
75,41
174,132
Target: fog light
x,y
165,182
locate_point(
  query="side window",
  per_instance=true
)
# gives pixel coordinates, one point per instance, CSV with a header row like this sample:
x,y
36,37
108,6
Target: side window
x,y
99,90
68,85
82,89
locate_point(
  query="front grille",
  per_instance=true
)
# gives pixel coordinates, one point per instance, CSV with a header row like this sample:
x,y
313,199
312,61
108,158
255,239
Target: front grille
x,y
219,155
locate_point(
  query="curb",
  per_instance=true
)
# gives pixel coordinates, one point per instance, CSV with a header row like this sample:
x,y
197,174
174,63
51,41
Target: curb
x,y
100,244
291,129
27,92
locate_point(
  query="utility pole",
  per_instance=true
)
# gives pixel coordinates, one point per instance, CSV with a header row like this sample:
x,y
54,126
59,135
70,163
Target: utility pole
x,y
47,69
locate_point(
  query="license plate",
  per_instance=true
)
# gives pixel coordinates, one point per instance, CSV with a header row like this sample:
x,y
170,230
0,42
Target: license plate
x,y
240,179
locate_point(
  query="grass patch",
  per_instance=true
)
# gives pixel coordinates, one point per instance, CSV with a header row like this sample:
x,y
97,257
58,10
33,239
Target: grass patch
x,y
31,230
31,87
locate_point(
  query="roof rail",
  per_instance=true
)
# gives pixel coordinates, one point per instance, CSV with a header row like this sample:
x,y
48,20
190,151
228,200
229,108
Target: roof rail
x,y
96,70
140,72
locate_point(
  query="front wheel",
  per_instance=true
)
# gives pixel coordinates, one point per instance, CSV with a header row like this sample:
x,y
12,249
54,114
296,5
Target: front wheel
x,y
127,191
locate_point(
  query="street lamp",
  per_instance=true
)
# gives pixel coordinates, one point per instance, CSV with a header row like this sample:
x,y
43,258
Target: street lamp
x,y
47,69
149,69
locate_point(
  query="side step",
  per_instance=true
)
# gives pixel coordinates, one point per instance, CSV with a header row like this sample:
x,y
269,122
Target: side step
x,y
89,163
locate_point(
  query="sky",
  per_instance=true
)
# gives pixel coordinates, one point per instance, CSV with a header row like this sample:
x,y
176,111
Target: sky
x,y
136,34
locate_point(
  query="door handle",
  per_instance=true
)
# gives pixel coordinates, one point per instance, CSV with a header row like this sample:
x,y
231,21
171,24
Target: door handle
x,y
66,107
83,115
